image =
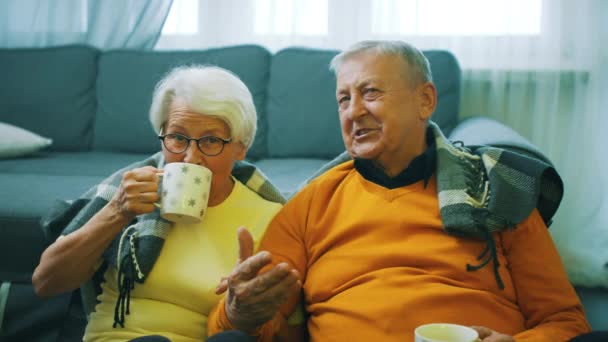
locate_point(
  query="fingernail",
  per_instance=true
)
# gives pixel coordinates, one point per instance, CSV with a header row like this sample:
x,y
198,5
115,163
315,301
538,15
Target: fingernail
x,y
265,254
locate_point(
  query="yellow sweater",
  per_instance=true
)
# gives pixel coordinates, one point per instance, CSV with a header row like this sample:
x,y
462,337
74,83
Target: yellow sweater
x,y
376,264
179,292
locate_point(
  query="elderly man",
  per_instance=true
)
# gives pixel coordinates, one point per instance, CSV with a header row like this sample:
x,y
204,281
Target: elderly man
x,y
413,230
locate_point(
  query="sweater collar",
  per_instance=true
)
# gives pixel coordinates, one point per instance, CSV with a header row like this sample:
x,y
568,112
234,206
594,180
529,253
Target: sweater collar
x,y
420,168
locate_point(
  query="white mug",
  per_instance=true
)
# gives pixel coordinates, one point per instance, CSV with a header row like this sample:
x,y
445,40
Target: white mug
x,y
445,332
184,192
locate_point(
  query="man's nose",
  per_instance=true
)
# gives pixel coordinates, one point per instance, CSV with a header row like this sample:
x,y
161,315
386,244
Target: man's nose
x,y
356,108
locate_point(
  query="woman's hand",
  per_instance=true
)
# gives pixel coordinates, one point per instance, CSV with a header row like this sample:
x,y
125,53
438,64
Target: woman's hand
x,y
489,335
71,260
253,299
137,192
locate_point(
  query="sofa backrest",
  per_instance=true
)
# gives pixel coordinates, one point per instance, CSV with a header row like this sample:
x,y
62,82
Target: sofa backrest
x,y
86,99
302,111
51,92
446,76
126,83
301,107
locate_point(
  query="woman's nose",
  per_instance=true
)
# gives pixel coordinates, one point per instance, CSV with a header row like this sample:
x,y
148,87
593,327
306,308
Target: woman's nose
x,y
193,154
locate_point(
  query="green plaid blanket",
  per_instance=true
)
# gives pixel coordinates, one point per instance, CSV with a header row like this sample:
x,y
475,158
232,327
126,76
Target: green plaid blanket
x,y
488,186
483,189
136,248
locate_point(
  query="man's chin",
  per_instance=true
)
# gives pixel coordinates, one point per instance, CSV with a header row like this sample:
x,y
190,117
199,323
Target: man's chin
x,y
368,154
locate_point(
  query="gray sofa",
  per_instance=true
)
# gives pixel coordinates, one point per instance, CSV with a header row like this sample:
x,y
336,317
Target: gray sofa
x,y
94,104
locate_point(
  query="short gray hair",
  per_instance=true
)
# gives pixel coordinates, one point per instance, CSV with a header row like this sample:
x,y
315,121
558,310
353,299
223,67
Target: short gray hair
x,y
419,67
208,90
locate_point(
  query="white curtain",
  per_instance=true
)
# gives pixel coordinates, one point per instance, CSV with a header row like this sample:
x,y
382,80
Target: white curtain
x,y
553,89
104,24
539,66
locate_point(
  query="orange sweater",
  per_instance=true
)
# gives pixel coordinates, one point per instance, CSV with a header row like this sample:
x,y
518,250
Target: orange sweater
x,y
376,264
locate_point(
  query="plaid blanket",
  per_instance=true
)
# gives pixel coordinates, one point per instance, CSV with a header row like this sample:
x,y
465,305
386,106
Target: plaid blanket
x,y
135,250
483,189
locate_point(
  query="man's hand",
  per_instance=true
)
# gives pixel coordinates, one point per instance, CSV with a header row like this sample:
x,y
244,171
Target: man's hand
x,y
137,192
253,299
489,335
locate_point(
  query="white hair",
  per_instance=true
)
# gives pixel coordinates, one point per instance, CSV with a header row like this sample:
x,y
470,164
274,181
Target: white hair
x,y
419,66
207,90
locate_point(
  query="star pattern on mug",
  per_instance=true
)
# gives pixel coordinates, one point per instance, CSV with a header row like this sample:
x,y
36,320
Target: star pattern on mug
x,y
168,175
197,180
185,169
192,202
208,177
202,211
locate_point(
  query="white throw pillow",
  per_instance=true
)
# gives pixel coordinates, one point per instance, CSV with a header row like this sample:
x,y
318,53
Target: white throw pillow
x,y
15,141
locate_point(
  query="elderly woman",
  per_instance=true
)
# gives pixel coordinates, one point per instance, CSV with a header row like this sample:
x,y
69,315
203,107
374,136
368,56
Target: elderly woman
x,y
158,277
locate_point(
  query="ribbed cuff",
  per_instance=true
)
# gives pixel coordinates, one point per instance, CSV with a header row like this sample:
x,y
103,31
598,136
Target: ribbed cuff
x,y
218,321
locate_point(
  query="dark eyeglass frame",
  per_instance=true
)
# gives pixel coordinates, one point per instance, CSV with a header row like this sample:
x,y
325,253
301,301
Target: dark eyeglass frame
x,y
198,143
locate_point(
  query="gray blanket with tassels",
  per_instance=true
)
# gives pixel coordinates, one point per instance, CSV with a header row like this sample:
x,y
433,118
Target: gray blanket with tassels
x,y
135,250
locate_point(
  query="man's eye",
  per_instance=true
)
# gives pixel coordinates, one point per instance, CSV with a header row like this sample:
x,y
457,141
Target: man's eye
x,y
370,91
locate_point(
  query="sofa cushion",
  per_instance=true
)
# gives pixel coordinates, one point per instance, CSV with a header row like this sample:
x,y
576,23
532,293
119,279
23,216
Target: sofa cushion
x,y
126,83
21,244
595,302
29,196
25,199
94,163
302,111
51,92
288,174
33,319
446,76
30,186
301,107
487,131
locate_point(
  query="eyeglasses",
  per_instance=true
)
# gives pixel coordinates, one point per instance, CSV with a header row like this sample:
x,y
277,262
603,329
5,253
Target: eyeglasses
x,y
178,143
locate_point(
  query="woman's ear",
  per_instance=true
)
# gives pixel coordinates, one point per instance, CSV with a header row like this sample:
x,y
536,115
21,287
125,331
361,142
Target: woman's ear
x,y
428,100
241,151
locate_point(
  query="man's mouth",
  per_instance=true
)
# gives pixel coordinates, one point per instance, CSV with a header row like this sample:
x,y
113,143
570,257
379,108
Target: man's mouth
x,y
362,132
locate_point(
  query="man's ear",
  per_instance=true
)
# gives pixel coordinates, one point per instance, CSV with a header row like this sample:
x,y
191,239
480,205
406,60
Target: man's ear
x,y
428,100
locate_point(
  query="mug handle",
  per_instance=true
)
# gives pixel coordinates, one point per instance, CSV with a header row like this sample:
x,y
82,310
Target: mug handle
x,y
160,179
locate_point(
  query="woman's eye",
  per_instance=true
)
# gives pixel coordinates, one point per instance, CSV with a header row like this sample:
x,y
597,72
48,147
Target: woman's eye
x,y
211,140
178,137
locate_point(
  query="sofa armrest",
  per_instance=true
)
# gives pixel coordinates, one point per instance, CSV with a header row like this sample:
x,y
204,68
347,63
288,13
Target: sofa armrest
x,y
595,302
487,131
